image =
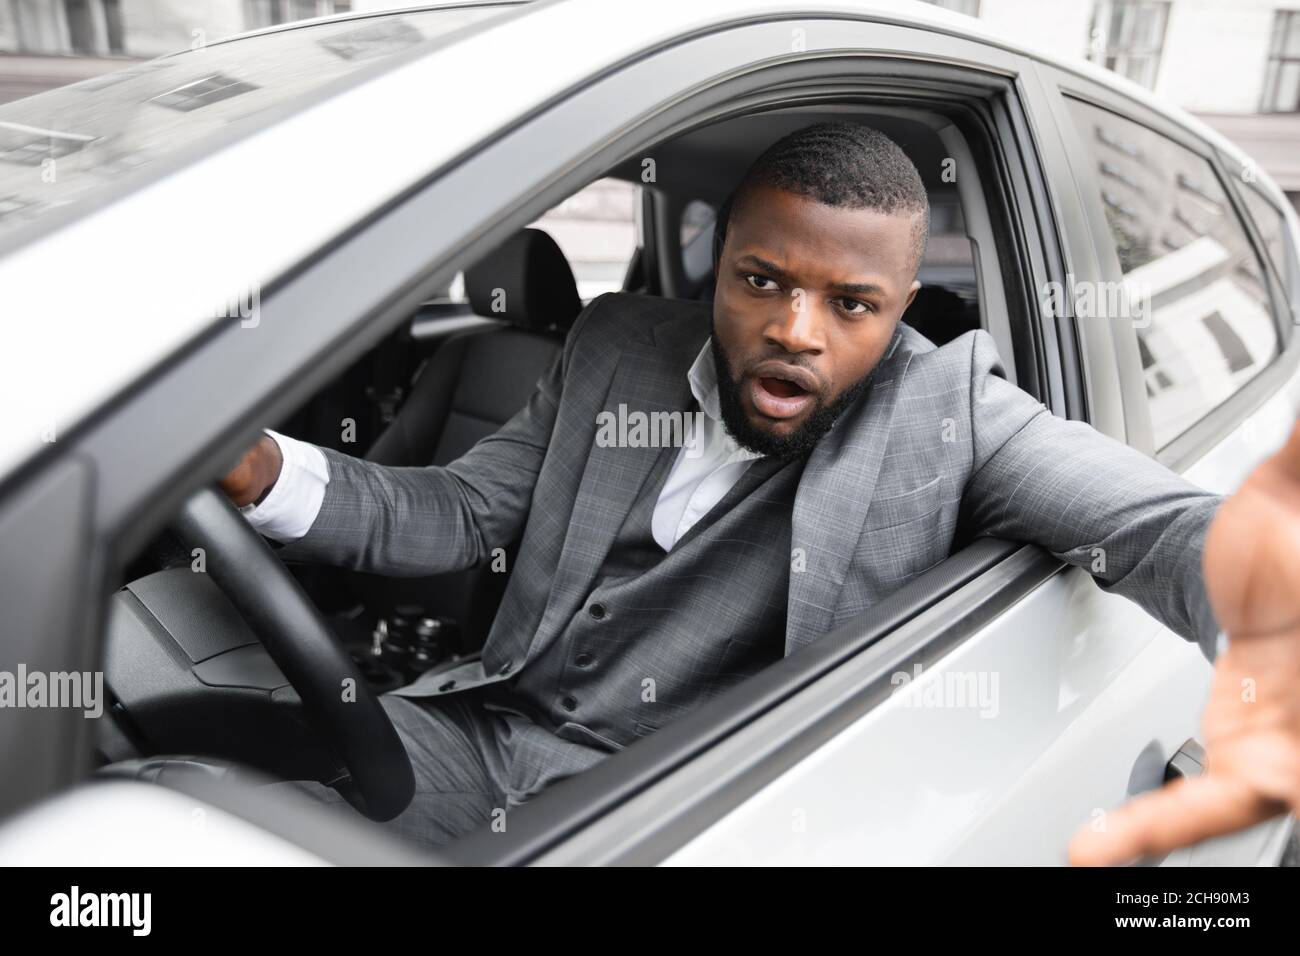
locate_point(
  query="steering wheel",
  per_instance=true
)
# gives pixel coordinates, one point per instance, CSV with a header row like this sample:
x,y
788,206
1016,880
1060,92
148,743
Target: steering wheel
x,y
348,716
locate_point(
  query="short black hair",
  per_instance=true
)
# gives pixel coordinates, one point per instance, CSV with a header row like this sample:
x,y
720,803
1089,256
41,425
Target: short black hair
x,y
838,164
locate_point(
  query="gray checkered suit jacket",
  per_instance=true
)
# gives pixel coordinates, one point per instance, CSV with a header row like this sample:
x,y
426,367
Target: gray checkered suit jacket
x,y
940,445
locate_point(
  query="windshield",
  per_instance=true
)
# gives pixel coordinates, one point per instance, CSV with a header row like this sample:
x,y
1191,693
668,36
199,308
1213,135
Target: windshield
x,y
58,147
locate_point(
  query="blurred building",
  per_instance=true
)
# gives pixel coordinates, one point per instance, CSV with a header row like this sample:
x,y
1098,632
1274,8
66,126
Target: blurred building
x,y
1234,63
47,43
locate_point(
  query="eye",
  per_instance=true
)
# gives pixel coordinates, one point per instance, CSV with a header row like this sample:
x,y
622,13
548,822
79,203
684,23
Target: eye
x,y
854,307
753,277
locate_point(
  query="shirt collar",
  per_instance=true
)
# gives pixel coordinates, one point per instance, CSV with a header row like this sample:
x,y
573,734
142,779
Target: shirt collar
x,y
703,379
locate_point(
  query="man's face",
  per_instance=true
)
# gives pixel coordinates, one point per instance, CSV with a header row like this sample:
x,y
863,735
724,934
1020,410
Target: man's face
x,y
807,299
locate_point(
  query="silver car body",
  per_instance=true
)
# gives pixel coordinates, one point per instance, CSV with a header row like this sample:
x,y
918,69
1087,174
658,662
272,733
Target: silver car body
x,y
1094,696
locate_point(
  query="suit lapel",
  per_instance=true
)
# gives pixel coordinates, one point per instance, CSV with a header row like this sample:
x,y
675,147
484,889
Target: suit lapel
x,y
831,504
650,377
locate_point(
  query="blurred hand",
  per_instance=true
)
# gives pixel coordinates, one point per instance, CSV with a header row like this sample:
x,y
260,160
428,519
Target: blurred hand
x,y
256,472
1251,725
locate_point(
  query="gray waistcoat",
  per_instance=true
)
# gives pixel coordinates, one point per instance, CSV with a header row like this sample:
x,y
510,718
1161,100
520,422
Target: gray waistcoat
x,y
606,678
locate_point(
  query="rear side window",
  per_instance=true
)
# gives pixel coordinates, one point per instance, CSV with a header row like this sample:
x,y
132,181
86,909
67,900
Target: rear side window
x,y
596,228
696,235
1207,326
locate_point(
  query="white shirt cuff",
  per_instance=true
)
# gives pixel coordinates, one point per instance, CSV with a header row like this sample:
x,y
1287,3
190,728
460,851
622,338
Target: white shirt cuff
x,y
287,512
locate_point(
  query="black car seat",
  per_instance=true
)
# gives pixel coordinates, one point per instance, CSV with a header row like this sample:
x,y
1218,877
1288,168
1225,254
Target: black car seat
x,y
941,314
478,379
471,386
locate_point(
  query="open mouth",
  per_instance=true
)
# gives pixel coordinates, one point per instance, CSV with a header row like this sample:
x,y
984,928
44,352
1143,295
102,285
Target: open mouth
x,y
781,391
782,388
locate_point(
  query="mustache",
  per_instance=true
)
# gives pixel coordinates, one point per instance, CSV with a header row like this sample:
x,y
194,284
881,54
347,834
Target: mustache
x,y
790,369
772,363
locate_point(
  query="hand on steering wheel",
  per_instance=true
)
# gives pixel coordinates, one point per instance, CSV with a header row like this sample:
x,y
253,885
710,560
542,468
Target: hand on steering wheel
x,y
336,699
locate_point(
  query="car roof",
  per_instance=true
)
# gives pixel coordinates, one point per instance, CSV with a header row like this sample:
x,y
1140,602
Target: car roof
x,y
110,294
920,13
360,15
905,12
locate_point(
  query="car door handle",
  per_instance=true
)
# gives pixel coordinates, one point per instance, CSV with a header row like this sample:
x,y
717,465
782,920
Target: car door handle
x,y
1189,761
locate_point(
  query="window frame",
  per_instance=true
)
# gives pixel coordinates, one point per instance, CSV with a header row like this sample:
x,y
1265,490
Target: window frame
x,y
1285,274
929,617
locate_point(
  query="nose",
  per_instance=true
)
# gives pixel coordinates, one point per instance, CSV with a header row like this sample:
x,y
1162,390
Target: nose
x,y
797,327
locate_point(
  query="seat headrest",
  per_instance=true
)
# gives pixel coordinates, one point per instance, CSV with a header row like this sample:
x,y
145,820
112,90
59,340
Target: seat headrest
x,y
940,314
539,291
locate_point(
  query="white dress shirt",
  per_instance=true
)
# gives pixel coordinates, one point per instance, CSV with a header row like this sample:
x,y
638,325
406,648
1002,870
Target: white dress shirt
x,y
295,499
696,483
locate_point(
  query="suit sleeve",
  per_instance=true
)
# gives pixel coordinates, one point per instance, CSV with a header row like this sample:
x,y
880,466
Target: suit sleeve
x,y
413,521
1138,528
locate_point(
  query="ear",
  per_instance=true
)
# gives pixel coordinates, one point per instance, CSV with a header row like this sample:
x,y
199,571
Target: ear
x,y
911,293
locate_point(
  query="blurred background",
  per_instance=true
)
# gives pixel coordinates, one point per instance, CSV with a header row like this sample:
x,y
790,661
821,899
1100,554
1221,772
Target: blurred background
x,y
1234,63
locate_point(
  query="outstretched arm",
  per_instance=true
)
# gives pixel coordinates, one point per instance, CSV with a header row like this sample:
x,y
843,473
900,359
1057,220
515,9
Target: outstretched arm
x,y
1135,526
1251,725
1194,560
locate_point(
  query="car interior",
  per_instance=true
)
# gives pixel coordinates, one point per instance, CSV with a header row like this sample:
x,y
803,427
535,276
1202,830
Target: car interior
x,y
458,370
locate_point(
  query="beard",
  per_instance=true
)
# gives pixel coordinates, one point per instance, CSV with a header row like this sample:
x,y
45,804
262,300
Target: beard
x,y
761,441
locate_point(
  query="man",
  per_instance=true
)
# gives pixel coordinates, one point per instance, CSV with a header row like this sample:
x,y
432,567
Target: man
x,y
839,454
